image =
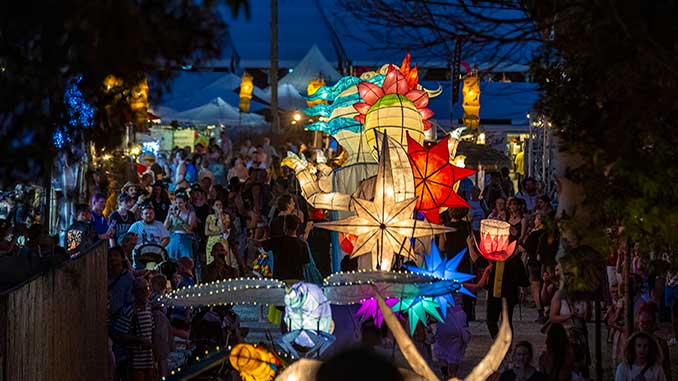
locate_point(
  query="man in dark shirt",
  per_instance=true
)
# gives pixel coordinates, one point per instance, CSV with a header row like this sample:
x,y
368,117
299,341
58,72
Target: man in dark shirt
x,y
290,253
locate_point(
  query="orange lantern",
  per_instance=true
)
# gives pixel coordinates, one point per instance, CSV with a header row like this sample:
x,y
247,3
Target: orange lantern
x,y
434,178
246,88
254,362
471,95
313,86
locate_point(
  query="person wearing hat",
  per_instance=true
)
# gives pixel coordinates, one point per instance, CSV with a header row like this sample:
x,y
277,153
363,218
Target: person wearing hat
x,y
148,229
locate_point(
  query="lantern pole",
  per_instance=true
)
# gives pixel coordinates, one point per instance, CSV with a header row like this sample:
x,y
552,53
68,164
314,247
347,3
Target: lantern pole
x,y
275,120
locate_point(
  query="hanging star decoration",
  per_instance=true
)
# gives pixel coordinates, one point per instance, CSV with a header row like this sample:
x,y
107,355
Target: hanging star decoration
x,y
434,178
383,226
417,309
369,308
446,269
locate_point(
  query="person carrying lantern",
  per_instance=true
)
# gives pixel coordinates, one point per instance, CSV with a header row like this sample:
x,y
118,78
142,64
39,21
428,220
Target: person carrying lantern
x,y
507,275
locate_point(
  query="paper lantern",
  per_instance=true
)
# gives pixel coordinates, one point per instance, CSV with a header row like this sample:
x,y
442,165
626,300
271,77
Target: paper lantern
x,y
398,107
383,226
253,362
306,307
471,105
112,82
246,88
313,86
434,178
369,309
494,240
435,266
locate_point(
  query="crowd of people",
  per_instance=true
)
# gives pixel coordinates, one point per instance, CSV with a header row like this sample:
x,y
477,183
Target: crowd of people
x,y
218,211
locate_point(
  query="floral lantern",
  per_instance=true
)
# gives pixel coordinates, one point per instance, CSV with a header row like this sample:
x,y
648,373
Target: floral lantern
x,y
471,95
495,246
253,362
313,86
246,88
494,240
398,107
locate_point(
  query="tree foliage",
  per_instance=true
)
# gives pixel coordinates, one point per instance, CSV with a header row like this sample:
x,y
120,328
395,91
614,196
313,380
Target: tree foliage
x,y
611,89
44,45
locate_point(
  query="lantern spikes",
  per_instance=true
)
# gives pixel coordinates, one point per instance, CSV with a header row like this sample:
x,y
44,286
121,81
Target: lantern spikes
x,y
369,308
446,269
383,225
434,178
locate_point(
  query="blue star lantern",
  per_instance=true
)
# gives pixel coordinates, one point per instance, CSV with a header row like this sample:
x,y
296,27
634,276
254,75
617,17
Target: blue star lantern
x,y
446,269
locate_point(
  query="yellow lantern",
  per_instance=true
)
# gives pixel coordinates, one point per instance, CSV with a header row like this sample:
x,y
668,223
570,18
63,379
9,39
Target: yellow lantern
x,y
313,86
253,362
246,88
471,105
139,102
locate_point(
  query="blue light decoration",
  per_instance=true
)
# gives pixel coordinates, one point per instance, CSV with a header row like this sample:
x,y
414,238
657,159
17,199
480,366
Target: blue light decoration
x,y
80,113
434,266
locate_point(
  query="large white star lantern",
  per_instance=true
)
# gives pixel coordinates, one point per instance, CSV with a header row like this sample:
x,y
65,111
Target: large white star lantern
x,y
384,225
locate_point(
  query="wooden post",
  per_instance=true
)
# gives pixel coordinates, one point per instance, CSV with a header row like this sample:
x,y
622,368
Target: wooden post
x,y
275,121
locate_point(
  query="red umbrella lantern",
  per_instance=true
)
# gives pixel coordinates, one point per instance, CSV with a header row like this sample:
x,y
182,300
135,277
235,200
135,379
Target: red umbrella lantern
x,y
494,240
434,178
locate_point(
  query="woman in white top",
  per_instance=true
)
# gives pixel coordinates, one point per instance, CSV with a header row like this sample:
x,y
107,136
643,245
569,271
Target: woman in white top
x,y
642,360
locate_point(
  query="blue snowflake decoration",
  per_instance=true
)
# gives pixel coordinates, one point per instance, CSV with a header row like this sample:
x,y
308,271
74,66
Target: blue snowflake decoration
x,y
436,267
80,113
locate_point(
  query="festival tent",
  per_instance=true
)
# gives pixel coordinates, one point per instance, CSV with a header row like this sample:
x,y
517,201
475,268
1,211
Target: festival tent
x,y
216,111
313,65
193,89
289,97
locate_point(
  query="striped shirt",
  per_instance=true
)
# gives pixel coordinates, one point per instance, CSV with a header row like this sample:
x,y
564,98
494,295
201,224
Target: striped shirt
x,y
138,322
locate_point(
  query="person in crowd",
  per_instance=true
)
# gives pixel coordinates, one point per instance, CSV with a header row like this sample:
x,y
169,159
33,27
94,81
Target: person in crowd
x,y
160,200
359,364
493,190
642,360
146,183
529,193
549,286
128,242
133,328
557,361
522,369
499,212
518,222
671,301
226,146
216,228
476,213
238,170
452,336
544,206
270,150
80,233
290,253
148,229
456,242
122,219
163,334
286,208
202,209
506,182
101,227
514,277
181,224
180,167
573,315
224,265
205,177
647,323
541,247
216,166
247,149
120,281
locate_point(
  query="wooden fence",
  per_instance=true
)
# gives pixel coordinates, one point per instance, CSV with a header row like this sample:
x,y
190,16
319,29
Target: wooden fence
x,y
53,326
